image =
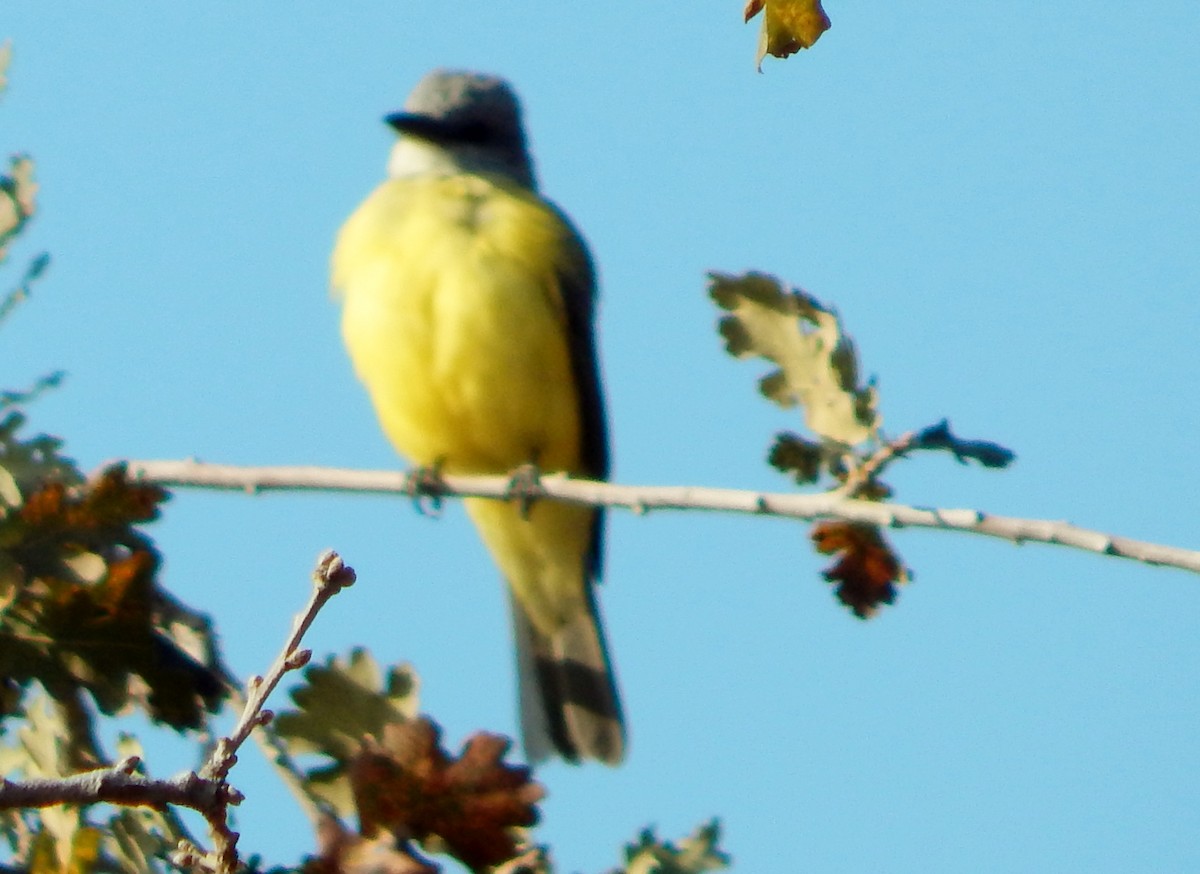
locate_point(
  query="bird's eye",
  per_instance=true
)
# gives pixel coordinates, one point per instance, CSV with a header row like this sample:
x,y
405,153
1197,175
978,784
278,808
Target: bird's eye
x,y
475,132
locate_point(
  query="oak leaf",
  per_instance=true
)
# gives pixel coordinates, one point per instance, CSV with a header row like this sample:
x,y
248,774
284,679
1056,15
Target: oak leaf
x,y
817,366
866,570
18,192
83,609
407,784
803,459
341,851
696,854
341,702
46,747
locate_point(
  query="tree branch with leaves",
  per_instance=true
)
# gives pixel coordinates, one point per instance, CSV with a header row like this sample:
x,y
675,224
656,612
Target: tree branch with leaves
x,y
88,631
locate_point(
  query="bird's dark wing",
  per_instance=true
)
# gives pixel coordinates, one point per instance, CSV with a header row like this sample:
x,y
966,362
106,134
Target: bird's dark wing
x,y
577,278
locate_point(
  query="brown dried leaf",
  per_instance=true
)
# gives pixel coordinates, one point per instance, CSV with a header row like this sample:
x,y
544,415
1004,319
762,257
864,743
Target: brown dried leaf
x,y
341,851
109,505
867,569
85,610
409,785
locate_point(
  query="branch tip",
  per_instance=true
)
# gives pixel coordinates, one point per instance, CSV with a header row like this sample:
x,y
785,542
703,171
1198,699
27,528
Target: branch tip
x,y
332,572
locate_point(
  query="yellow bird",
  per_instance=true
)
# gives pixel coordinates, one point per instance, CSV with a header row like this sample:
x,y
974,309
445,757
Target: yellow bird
x,y
468,311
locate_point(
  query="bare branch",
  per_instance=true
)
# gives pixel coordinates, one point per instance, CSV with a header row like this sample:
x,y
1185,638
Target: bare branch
x,y
208,792
330,577
642,499
116,785
277,754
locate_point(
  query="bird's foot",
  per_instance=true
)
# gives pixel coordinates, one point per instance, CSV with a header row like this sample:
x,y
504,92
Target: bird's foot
x,y
426,487
525,487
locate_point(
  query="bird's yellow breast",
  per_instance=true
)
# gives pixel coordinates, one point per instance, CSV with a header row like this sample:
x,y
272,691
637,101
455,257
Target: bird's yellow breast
x,y
454,318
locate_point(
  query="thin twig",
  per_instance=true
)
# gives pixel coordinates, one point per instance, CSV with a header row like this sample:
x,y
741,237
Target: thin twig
x,y
329,578
644,498
873,466
276,753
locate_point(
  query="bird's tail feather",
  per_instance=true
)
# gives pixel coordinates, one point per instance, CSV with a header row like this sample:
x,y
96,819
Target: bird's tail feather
x,y
568,694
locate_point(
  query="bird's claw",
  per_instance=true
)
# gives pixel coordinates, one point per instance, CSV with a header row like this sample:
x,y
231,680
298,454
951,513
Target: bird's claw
x,y
525,487
426,487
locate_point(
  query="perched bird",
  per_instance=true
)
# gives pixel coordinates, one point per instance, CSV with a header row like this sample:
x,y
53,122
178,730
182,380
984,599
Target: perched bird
x,y
468,311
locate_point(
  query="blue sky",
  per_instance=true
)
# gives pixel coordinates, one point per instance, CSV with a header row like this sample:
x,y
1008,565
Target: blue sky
x,y
1002,204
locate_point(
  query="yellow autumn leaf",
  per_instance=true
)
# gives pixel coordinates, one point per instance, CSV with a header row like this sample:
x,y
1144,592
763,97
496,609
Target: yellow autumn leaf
x,y
78,854
788,26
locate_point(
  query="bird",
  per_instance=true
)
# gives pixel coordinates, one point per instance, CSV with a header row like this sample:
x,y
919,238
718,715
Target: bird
x,y
469,310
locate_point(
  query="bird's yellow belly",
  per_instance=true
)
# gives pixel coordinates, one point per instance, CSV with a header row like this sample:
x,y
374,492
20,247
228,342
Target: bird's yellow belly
x,y
463,350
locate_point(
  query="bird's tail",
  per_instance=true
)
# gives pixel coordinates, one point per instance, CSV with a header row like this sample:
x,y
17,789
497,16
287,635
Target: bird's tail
x,y
568,694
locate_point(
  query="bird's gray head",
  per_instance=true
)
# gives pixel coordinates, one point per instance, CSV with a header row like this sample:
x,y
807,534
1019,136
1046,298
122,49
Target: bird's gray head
x,y
455,122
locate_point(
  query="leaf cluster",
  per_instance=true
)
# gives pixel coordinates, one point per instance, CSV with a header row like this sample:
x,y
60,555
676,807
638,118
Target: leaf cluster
x,y
86,629
83,611
384,766
695,854
65,838
816,367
